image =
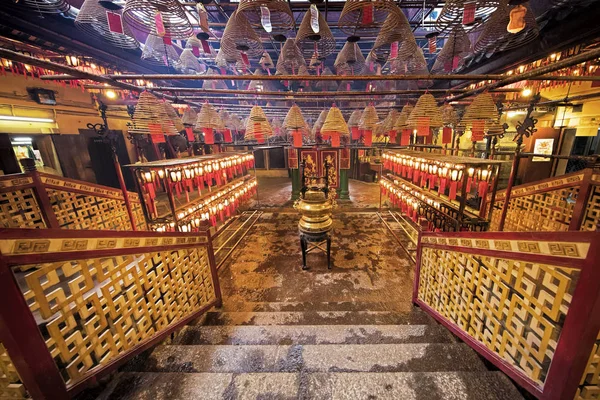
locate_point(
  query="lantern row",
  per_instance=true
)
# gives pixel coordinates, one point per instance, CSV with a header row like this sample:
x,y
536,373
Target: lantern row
x,y
209,210
437,175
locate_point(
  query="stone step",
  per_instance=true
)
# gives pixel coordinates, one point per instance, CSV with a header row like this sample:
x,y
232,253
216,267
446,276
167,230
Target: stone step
x,y
413,317
312,334
413,357
322,386
276,306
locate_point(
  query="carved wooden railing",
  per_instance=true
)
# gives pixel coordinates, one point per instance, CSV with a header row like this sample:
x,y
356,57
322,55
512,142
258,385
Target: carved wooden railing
x,y
567,203
76,304
38,200
528,302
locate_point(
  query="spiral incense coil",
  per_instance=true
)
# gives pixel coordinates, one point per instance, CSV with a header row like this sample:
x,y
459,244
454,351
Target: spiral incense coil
x,y
334,122
396,28
92,19
309,42
258,85
390,121
208,118
483,108
282,18
401,121
494,34
426,108
449,115
372,65
173,117
266,61
368,119
189,117
239,35
326,86
319,123
350,60
291,61
47,6
189,64
455,50
354,119
257,125
157,52
365,17
294,120
453,10
141,15
150,116
193,41
212,83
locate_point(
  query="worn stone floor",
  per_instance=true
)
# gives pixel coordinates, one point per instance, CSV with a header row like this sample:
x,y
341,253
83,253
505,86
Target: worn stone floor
x,y
367,265
277,192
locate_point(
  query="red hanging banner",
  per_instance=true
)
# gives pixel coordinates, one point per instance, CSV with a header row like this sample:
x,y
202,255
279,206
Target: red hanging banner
x,y
469,13
209,136
368,138
355,133
227,138
189,132
446,135
115,22
393,50
432,42
477,128
157,138
335,139
196,51
405,137
392,135
160,26
367,15
297,136
423,126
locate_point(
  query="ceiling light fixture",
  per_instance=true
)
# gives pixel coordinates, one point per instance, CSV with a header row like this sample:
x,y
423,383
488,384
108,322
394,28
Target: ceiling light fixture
x,y
25,119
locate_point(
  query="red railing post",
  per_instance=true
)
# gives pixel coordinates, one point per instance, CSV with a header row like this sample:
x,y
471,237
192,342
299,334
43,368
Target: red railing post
x,y
579,209
40,194
20,335
579,332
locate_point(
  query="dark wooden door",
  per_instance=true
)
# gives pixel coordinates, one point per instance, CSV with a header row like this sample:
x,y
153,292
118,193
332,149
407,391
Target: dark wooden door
x,y
74,157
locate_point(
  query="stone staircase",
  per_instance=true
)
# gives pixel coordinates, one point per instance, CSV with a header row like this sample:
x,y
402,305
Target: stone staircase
x,y
282,350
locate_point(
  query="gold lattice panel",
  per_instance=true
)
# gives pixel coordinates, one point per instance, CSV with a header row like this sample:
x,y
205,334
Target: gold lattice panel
x,y
138,214
496,216
83,211
515,308
547,211
92,310
591,219
589,387
19,209
10,383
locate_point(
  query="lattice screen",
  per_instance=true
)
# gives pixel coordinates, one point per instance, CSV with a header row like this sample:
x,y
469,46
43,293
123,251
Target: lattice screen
x,y
10,383
591,219
92,309
138,212
19,209
515,308
81,211
589,389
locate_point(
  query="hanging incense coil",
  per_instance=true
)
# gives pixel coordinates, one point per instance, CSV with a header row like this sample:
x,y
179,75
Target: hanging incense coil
x,y
390,121
319,123
257,126
141,15
194,43
259,85
334,122
282,18
396,28
452,55
449,115
189,64
208,118
157,52
173,117
294,120
368,119
350,60
189,117
413,65
354,119
92,19
426,108
401,121
322,43
365,18
291,61
453,11
494,34
213,83
46,6
326,86
239,35
150,117
483,108
266,61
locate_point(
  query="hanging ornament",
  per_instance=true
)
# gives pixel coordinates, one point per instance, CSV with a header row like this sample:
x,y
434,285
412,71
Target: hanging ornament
x,y
265,19
517,19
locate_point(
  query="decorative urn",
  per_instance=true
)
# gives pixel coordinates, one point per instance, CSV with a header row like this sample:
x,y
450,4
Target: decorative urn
x,y
316,208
